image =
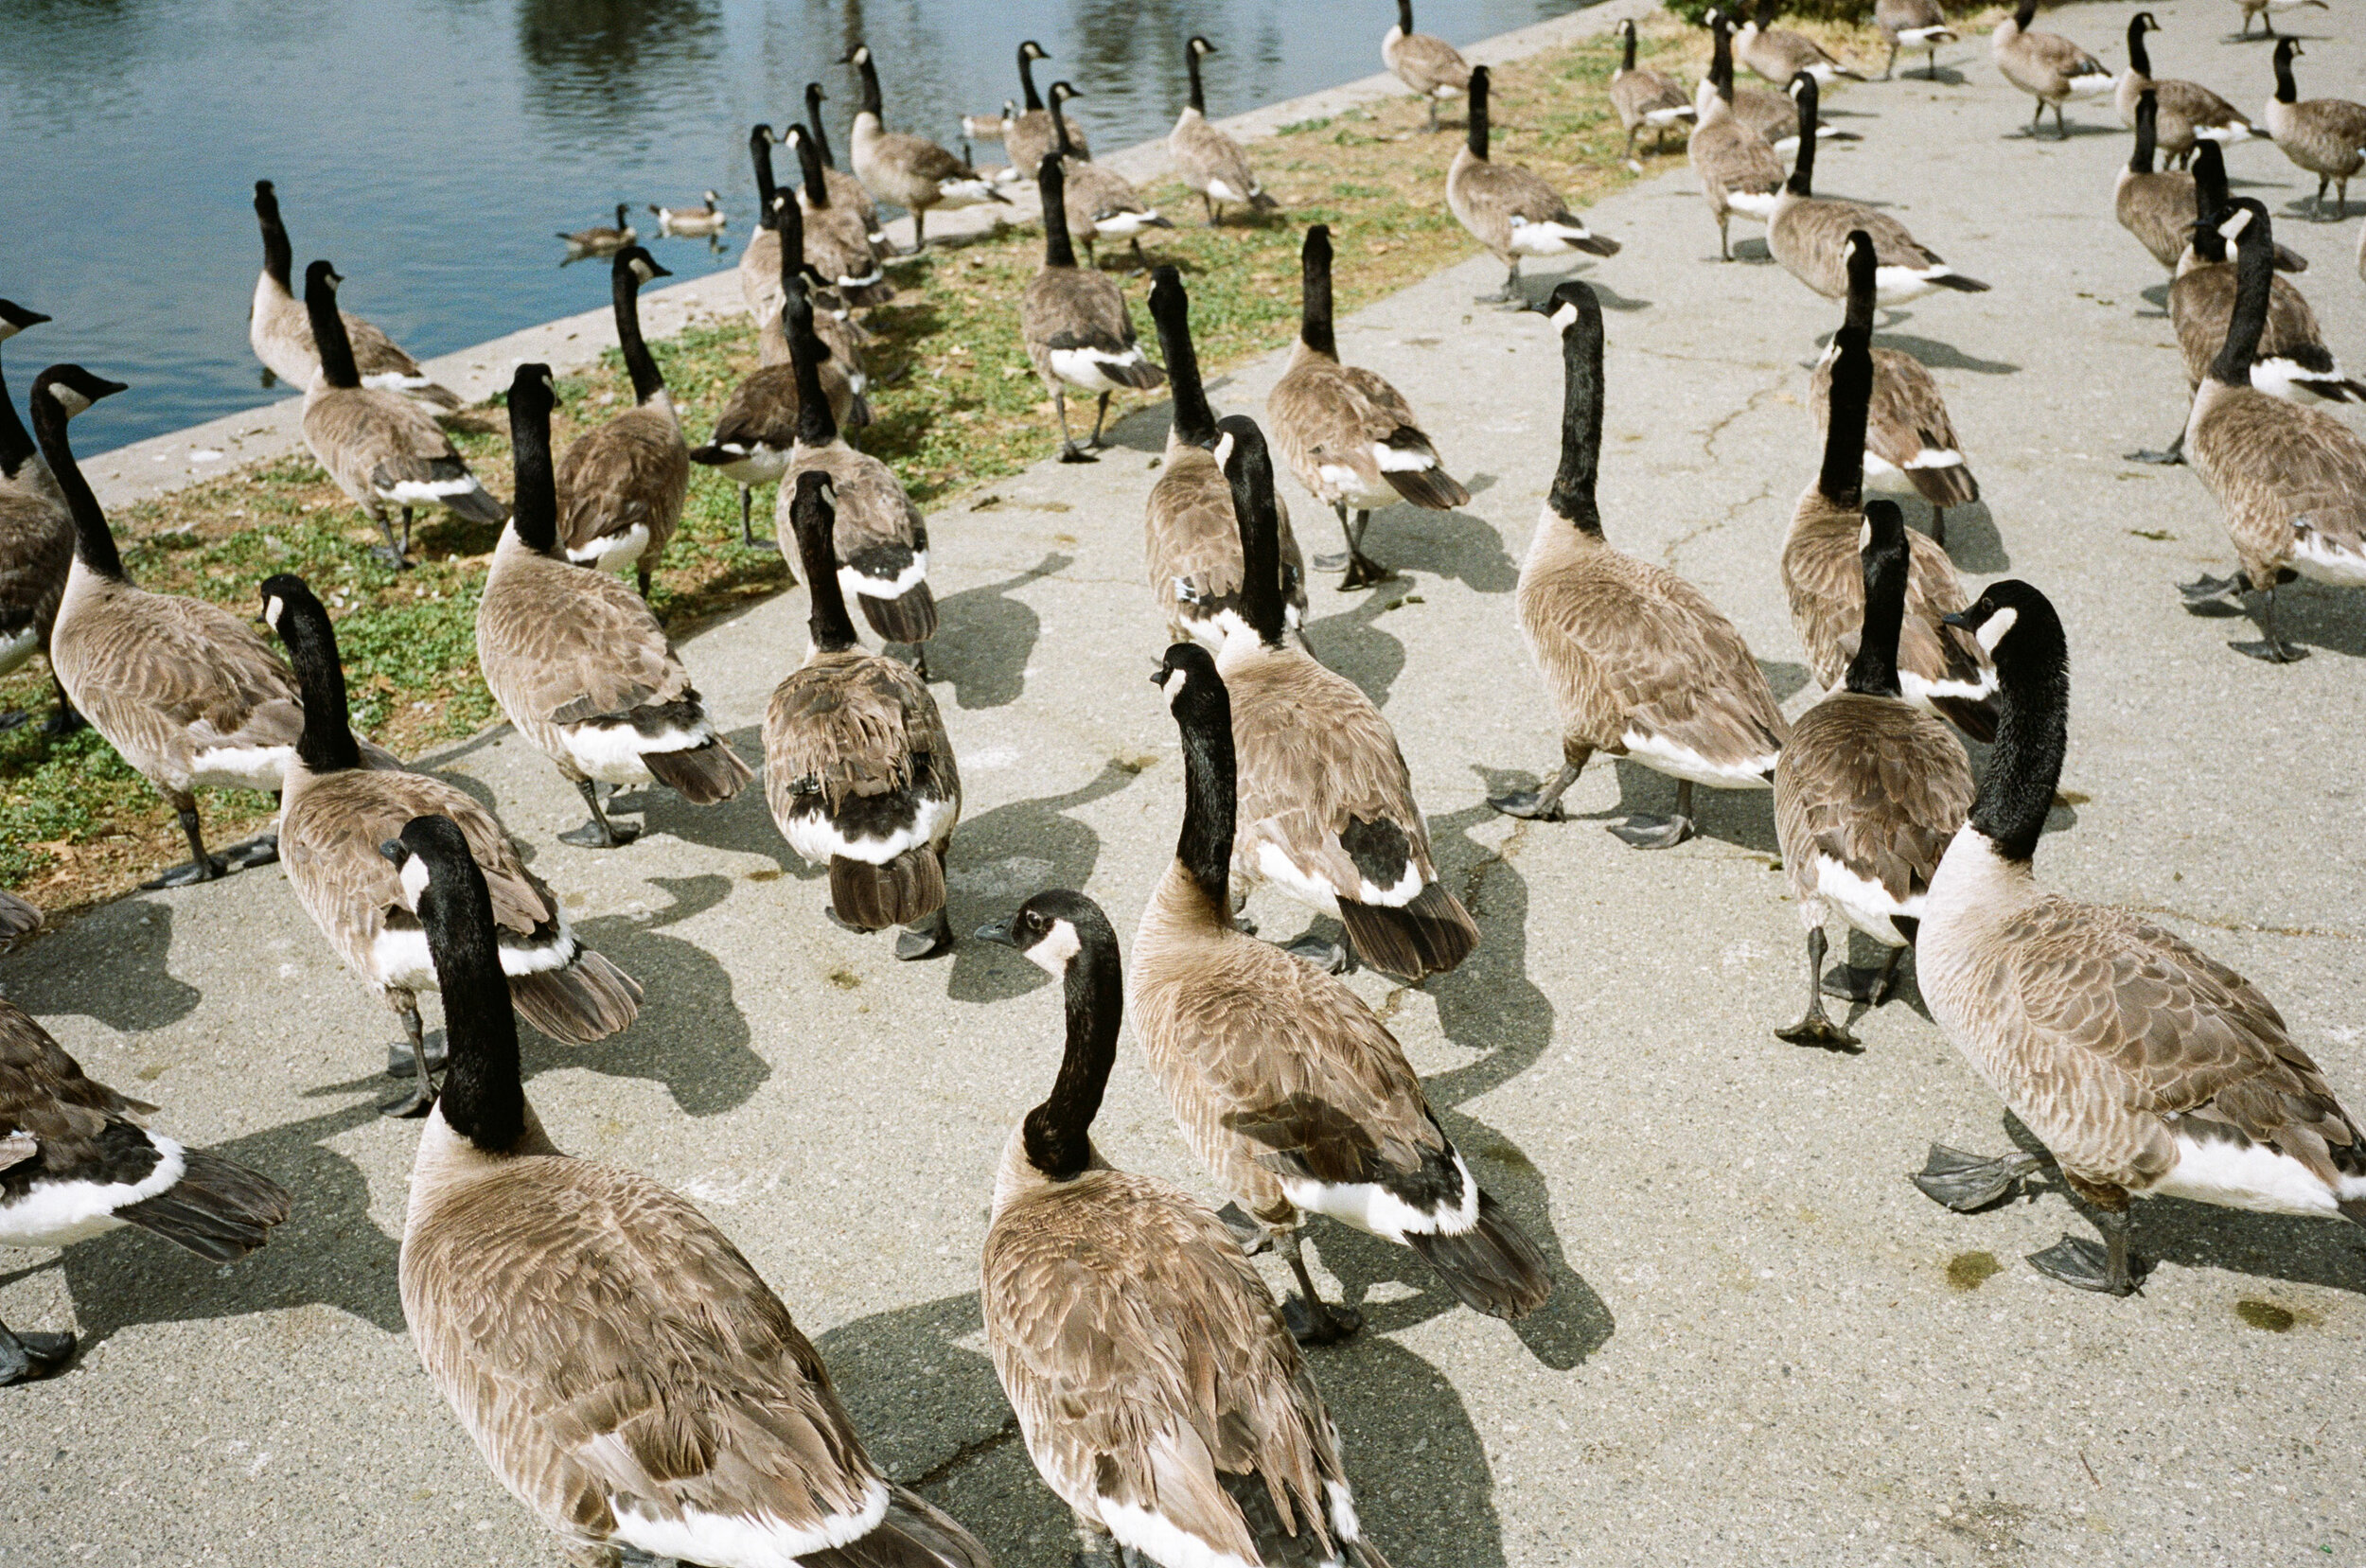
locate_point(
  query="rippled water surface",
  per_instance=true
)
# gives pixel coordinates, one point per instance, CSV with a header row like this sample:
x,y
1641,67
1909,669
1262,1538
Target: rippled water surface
x,y
432,148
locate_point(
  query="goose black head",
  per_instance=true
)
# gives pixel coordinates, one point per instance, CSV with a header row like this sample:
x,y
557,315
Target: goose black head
x,y
1050,928
74,389
14,318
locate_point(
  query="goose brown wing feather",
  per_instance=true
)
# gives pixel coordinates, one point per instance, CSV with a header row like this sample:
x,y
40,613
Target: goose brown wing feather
x,y
1875,785
2277,468
853,725
36,553
562,645
164,678
49,1111
2202,301
632,471
1191,539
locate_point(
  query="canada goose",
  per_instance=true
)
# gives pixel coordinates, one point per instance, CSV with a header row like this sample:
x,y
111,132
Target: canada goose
x,y
1208,161
340,804
698,222
1509,209
2325,136
833,318
756,432
280,330
1738,171
36,542
2047,66
381,447
1190,541
576,660
1808,234
910,171
623,1371
760,263
839,245
881,538
1769,111
1938,667
18,920
75,1162
1867,792
2156,207
600,239
858,767
1324,788
1779,55
1028,134
2146,1067
2266,9
845,191
2187,111
1074,321
1645,99
1101,204
1431,66
186,693
1157,1387
624,483
2291,481
1294,1096
1909,439
1912,24
1640,664
1349,436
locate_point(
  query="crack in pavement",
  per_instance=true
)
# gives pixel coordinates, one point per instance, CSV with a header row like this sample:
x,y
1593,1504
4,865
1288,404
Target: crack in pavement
x,y
2221,922
975,1448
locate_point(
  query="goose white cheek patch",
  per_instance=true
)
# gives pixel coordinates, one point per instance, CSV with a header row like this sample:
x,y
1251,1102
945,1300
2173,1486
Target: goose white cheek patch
x,y
1057,947
414,877
1993,630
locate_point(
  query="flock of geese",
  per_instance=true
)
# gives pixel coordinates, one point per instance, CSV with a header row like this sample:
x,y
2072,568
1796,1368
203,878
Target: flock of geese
x,y
622,1369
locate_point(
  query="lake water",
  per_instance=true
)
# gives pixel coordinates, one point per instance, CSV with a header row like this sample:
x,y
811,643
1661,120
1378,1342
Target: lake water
x,y
432,148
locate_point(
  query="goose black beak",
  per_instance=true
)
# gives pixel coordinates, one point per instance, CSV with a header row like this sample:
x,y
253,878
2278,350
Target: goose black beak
x,y
998,931
392,848
1957,618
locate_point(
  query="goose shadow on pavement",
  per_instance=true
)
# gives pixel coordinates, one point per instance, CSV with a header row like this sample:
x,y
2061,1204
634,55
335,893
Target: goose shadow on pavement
x,y
1003,858
112,967
987,638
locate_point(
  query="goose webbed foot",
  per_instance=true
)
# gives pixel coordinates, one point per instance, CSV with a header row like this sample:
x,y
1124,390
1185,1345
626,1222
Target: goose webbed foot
x,y
1314,1322
1653,833
1072,452
1364,571
925,939
1870,986
2207,589
1328,957
599,832
2104,1267
261,850
403,1061
1543,804
25,1357
1252,1236
748,540
2173,455
189,874
409,1103
64,719
2272,649
1815,1026
1965,1182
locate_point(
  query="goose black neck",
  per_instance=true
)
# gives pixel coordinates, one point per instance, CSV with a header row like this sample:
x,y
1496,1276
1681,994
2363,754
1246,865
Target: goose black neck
x,y
326,744
1210,779
2210,202
809,169
1404,17
1626,59
1481,78
1572,497
1842,480
1315,293
1258,521
1802,181
1060,142
1052,182
2147,132
16,443
328,329
1171,308
1857,316
482,1099
2254,277
2139,59
870,100
1058,1133
813,124
1766,14
278,255
1874,671
759,154
826,621
817,426
624,294
2032,730
1721,60
533,512
1027,79
94,542
2288,91
1191,65
790,219
2024,14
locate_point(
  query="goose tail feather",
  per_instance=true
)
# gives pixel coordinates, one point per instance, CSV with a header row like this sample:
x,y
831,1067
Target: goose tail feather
x,y
703,775
1492,1266
897,892
1429,936
218,1209
589,1000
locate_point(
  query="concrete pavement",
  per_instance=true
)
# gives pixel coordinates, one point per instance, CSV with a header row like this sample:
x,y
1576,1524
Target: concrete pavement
x,y
1765,1346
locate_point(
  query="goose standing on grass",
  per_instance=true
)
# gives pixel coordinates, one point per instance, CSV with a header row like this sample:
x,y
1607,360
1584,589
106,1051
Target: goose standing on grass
x,y
760,263
383,450
36,543
2266,9
1349,436
1206,159
600,239
882,540
1909,439
2187,111
1808,234
1027,135
185,691
624,1373
75,1162
705,222
1912,24
341,803
1640,664
2291,481
623,484
1101,204
1324,789
1939,667
1294,1096
1159,1389
1429,65
2325,136
858,767
1509,209
833,317
2047,66
845,190
1645,99
1191,539
1738,170
2147,1068
577,661
1779,55
910,171
280,330
1867,792
1074,321
755,434
839,245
